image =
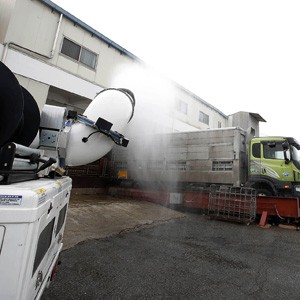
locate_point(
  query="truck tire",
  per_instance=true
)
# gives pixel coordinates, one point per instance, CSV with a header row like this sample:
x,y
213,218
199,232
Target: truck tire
x,y
263,192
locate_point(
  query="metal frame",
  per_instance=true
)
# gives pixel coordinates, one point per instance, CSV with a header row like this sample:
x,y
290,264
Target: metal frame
x,y
233,204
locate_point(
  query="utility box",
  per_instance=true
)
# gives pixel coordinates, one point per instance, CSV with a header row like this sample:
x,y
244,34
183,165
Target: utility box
x,y
32,221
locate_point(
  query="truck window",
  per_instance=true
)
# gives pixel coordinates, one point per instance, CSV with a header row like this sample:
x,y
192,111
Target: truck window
x,y
295,156
273,151
256,150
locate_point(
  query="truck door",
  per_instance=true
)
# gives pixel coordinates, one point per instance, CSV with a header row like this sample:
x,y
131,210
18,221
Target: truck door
x,y
255,159
273,163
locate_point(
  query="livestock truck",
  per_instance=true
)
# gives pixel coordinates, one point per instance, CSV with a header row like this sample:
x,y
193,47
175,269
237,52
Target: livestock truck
x,y
225,156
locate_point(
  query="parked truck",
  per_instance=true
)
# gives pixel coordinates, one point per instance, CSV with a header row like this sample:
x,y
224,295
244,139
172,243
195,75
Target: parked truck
x,y
225,156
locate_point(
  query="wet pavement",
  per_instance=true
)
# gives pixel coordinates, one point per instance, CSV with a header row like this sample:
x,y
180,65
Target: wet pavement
x,y
175,256
98,216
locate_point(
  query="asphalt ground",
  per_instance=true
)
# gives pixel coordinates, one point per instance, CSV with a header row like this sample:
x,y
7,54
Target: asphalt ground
x,y
186,257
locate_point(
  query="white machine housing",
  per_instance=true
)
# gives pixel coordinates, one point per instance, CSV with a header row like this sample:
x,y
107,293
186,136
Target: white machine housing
x,y
34,196
82,139
32,221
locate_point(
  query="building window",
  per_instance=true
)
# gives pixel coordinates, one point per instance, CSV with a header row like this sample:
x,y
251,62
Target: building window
x,y
182,107
79,53
219,124
204,118
88,58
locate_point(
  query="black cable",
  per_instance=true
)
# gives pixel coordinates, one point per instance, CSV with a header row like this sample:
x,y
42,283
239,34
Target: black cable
x,y
85,139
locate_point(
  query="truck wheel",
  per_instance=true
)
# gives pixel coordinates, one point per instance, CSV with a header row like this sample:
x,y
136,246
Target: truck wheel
x,y
263,192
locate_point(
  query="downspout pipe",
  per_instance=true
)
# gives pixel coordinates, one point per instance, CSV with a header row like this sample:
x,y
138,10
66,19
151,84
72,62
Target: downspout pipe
x,y
56,36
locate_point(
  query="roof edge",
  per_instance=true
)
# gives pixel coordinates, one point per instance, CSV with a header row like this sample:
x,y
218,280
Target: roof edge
x,y
83,25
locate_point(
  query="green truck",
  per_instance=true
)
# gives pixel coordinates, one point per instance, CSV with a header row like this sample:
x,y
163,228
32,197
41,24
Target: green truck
x,y
274,166
225,156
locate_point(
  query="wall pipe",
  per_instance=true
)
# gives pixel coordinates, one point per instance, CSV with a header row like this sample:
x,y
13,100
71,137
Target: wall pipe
x,y
56,35
14,45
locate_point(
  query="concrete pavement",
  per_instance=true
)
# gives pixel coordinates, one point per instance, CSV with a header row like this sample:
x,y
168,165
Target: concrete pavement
x,y
185,256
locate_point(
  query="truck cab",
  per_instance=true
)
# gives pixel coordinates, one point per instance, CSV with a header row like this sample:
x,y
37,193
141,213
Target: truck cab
x,y
274,166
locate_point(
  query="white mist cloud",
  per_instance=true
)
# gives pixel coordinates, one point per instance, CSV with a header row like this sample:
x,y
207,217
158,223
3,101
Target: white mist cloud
x,y
155,99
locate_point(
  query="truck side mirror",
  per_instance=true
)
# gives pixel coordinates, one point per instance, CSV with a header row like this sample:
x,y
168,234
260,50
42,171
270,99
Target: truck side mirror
x,y
285,145
286,152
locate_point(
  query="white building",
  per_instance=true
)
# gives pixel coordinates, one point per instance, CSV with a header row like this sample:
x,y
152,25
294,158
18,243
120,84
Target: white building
x,y
61,60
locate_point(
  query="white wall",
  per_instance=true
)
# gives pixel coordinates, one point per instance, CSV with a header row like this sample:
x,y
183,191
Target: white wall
x,y
46,74
33,25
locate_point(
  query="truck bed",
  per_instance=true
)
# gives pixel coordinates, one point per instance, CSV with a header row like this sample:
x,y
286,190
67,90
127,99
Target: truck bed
x,y
206,156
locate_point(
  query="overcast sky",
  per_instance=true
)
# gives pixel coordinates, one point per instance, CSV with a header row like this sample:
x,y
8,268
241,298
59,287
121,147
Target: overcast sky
x,y
237,55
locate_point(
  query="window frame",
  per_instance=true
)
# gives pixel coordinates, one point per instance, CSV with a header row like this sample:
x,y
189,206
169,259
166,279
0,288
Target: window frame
x,y
203,117
80,53
182,107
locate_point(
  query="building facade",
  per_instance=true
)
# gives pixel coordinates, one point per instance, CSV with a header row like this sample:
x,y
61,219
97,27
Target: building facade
x,y
62,61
